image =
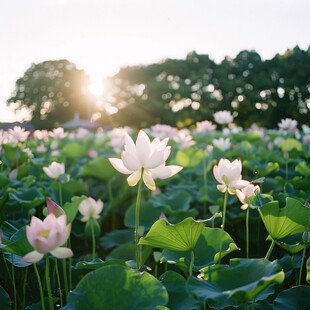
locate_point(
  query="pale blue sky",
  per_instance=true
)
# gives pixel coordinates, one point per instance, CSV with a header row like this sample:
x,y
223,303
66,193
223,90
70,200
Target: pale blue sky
x,y
100,36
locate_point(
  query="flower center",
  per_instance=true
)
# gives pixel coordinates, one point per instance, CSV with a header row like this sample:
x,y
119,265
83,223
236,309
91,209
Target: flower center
x,y
44,233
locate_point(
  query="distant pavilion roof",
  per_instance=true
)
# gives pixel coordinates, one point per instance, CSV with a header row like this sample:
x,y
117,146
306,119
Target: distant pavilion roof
x,y
79,123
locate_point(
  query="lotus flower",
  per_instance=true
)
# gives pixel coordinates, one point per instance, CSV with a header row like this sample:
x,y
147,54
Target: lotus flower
x,y
145,159
223,117
18,134
229,175
90,208
288,124
54,170
48,236
205,126
221,143
245,193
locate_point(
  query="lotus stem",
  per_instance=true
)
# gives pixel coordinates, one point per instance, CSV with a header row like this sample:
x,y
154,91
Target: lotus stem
x,y
93,241
137,224
247,231
40,286
191,265
270,249
224,209
58,281
302,263
64,270
48,282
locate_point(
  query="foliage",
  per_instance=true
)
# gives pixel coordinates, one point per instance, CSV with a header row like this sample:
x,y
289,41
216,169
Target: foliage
x,y
188,260
180,92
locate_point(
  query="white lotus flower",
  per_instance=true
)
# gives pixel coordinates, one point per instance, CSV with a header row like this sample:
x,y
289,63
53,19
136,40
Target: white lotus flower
x,y
229,175
223,117
54,170
145,159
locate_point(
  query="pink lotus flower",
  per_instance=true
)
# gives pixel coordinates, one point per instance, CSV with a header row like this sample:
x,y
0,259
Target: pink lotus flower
x,y
245,193
48,236
229,175
54,170
90,208
145,159
58,133
223,117
18,134
288,124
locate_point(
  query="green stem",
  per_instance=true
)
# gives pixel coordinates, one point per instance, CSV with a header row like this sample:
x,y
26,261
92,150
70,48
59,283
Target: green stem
x,y
58,281
48,282
111,199
270,249
93,237
137,222
204,188
224,209
247,231
302,263
40,286
191,265
60,194
24,289
64,270
13,282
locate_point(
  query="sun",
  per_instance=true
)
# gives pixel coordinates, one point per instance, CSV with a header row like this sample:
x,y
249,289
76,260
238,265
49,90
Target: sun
x,y
96,87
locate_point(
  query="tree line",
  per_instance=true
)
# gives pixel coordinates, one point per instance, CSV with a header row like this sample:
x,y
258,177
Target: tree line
x,y
177,92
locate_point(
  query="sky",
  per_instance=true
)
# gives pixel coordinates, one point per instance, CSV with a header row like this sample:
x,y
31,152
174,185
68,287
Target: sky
x,y
100,36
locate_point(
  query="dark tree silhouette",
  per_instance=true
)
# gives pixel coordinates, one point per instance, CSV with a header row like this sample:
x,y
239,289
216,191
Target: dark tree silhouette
x,y
53,91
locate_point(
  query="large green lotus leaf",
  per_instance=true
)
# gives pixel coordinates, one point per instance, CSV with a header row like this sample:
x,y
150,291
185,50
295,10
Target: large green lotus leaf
x,y
74,150
235,284
259,200
126,252
294,298
292,243
18,243
212,244
117,237
308,270
177,237
303,168
4,180
179,299
190,157
117,287
177,201
71,208
98,263
290,144
148,215
15,260
261,169
281,222
99,168
27,197
5,302
14,154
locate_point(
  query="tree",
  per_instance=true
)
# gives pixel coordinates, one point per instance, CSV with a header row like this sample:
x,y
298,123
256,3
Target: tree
x,y
53,91
180,92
